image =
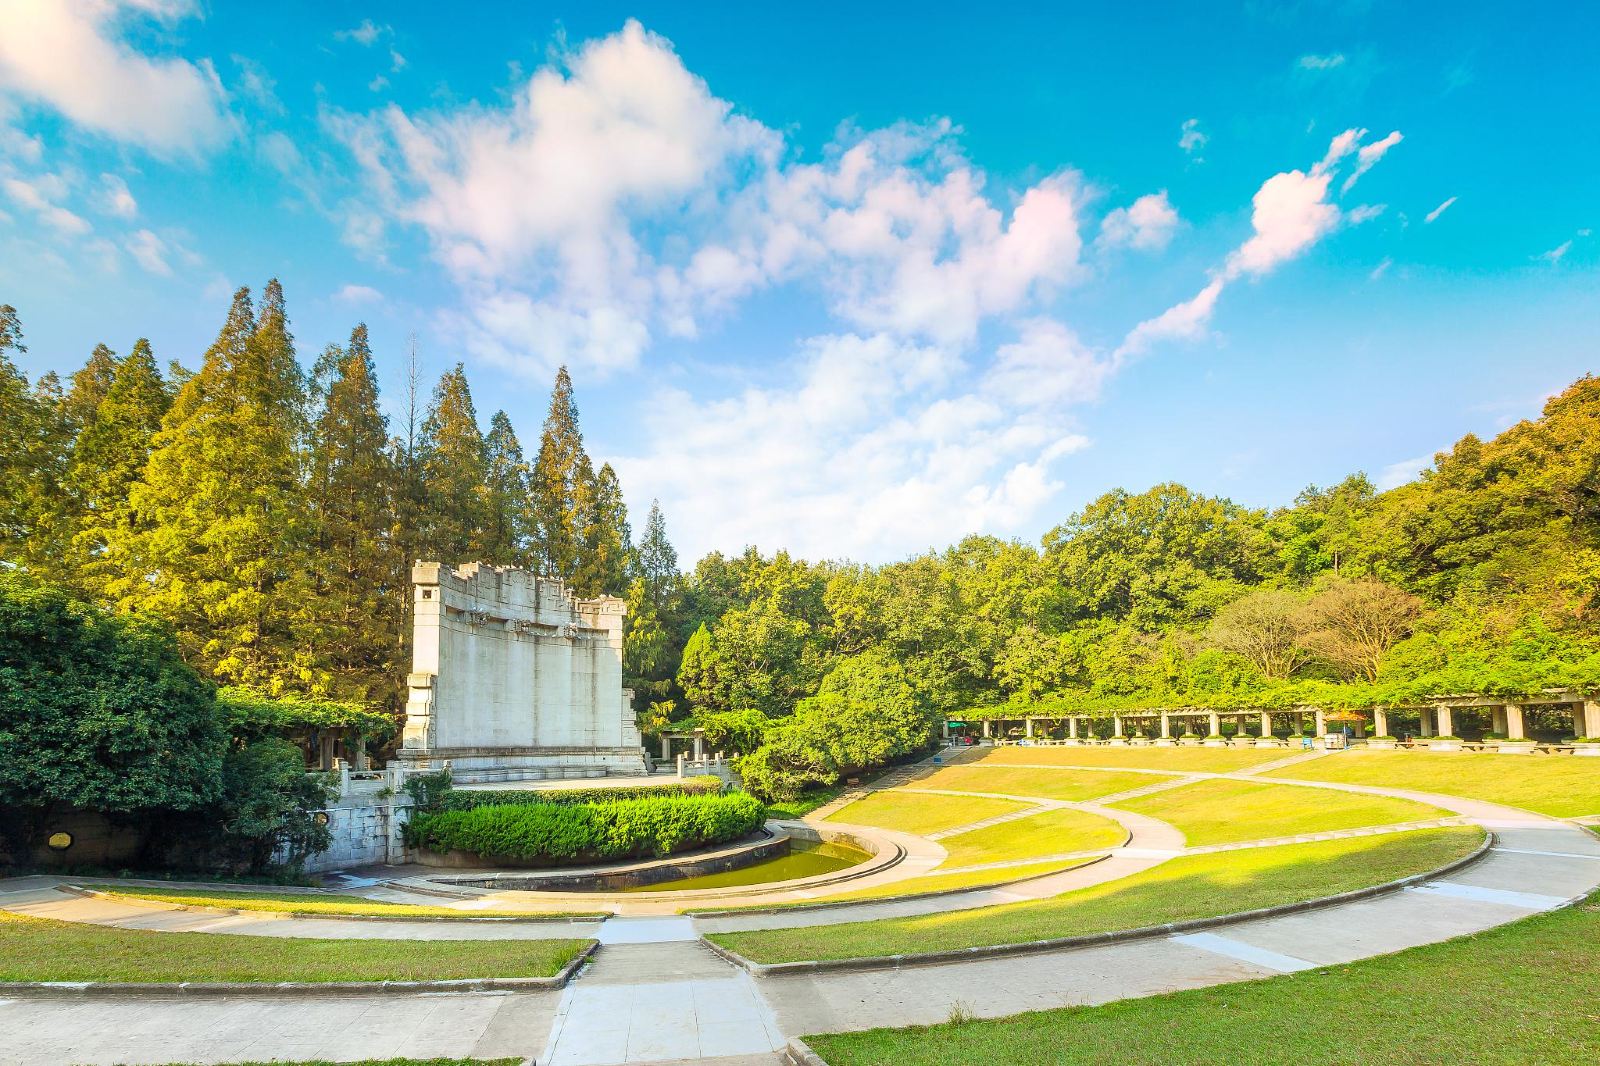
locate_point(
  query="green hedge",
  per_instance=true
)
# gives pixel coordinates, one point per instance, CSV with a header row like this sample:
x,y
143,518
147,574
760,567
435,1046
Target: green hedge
x,y
566,833
459,800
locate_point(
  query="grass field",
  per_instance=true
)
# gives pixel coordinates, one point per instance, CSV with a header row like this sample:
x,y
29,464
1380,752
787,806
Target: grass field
x,y
1502,997
1226,812
1074,786
1202,760
1197,886
311,903
1558,785
911,812
1049,833
40,949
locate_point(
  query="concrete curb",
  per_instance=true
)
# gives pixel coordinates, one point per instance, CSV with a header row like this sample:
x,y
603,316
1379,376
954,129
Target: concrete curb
x,y
1035,947
797,908
186,989
163,905
798,1053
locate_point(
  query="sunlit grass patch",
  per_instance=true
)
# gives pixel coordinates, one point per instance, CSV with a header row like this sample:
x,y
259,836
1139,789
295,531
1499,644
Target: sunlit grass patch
x,y
1560,785
913,812
1226,812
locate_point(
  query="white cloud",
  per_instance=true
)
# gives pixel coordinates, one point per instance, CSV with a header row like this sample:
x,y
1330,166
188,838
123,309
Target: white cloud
x,y
1327,62
150,252
618,197
1556,254
115,199
39,195
256,84
1191,139
1396,474
358,294
1441,209
1146,224
365,34
1184,321
1364,213
67,54
1369,155
1381,269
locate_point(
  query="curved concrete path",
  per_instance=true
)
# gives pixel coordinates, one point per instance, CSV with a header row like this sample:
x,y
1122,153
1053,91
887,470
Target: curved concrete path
x,y
655,994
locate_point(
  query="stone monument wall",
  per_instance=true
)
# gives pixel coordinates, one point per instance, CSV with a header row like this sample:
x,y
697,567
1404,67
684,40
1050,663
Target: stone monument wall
x,y
514,678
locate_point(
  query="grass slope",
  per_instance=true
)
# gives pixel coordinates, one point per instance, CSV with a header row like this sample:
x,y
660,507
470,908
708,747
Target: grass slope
x,y
911,812
312,903
1074,786
1050,833
1203,760
1196,886
1504,996
1558,785
40,949
1228,812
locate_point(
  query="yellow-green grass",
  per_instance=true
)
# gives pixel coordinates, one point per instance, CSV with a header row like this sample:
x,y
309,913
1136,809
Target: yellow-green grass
x,y
921,886
1074,786
1177,760
42,949
1047,833
921,814
1188,887
1558,785
1502,996
1227,812
311,903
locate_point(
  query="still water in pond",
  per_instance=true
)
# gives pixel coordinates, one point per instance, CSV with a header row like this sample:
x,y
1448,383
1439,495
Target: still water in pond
x,y
805,859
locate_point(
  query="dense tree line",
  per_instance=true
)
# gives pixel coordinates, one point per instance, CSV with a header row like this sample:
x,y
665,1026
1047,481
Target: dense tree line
x,y
270,515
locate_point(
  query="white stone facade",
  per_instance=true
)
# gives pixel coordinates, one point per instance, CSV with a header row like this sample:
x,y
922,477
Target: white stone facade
x,y
513,678
365,823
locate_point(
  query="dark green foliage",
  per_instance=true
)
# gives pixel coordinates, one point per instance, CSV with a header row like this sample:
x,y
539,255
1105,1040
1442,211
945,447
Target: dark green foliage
x,y
463,800
561,833
98,711
250,713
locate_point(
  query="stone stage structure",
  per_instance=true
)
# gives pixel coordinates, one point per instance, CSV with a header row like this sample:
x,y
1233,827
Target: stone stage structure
x,y
515,679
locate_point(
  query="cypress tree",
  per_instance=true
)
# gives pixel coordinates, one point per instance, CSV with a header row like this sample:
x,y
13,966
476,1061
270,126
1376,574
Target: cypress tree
x,y
352,622
505,537
33,452
108,460
89,387
219,535
558,482
454,473
606,558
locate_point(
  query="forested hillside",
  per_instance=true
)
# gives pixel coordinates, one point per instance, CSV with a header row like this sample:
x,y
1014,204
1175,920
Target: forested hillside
x,y
269,514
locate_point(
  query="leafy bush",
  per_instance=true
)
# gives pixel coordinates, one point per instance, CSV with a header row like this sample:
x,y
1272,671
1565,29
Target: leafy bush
x,y
458,800
567,833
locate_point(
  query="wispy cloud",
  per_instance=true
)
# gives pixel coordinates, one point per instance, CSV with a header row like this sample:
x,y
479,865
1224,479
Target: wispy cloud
x,y
1441,209
1324,62
1556,254
1191,138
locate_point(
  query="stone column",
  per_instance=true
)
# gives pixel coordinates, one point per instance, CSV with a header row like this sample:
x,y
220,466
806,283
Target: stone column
x,y
1027,724
1591,718
1072,727
1266,723
1215,724
1514,726
1166,726
1444,720
666,748
699,747
1425,721
1321,718
988,728
1380,722
1241,725
1116,725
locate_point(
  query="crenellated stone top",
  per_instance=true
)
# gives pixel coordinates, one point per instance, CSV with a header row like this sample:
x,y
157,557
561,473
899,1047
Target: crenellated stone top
x,y
513,597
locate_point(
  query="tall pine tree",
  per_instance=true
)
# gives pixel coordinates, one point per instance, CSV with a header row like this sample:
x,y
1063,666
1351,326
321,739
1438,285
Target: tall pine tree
x,y
219,538
108,460
505,535
33,452
558,482
352,622
605,561
454,473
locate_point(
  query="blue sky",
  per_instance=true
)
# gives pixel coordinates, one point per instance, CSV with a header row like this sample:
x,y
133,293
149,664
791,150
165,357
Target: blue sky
x,y
854,281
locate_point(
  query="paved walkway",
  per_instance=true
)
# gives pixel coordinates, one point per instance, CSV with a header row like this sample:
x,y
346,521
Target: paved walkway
x,y
654,994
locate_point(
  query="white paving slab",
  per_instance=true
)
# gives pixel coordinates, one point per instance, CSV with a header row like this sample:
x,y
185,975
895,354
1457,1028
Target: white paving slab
x,y
646,930
1531,901
1238,949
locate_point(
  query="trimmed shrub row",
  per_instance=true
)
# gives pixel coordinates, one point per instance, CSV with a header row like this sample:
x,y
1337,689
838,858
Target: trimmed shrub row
x,y
565,833
458,800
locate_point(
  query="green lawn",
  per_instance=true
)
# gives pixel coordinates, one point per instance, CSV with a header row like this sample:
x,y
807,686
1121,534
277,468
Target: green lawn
x,y
310,903
1074,786
805,803
912,812
1559,785
915,886
40,949
1504,996
1196,886
1050,833
1202,760
1226,812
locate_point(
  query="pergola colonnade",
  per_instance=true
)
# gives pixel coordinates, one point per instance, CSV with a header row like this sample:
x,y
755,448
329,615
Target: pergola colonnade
x,y
1437,718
